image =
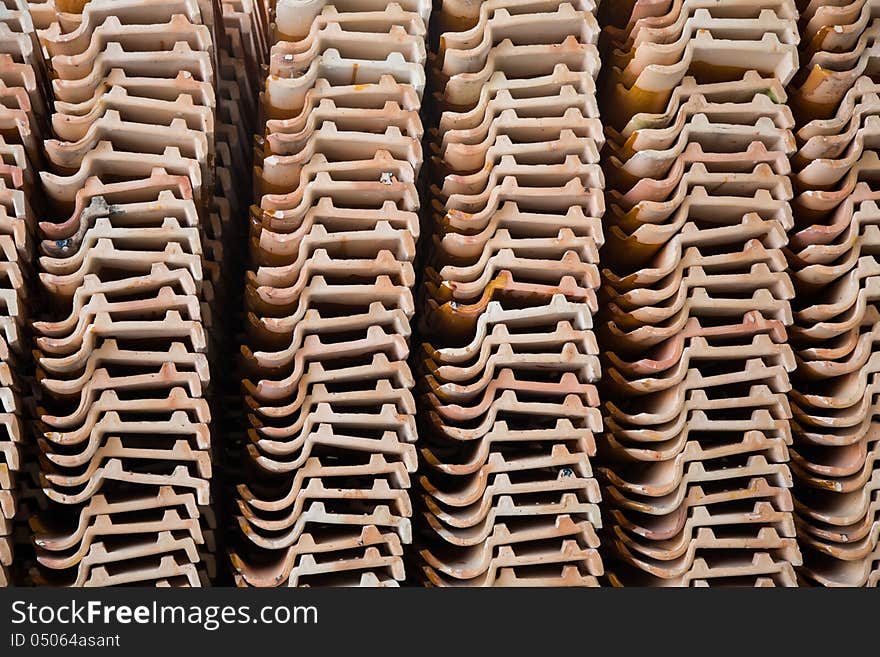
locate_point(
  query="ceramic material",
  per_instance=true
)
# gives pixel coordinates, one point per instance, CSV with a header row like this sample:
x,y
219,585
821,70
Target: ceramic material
x,y
507,374
832,263
22,119
696,301
333,236
140,154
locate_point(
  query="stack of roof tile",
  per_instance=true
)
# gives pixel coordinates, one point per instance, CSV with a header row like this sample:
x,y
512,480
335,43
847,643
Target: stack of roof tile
x,y
833,256
507,496
329,298
695,298
129,259
22,118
